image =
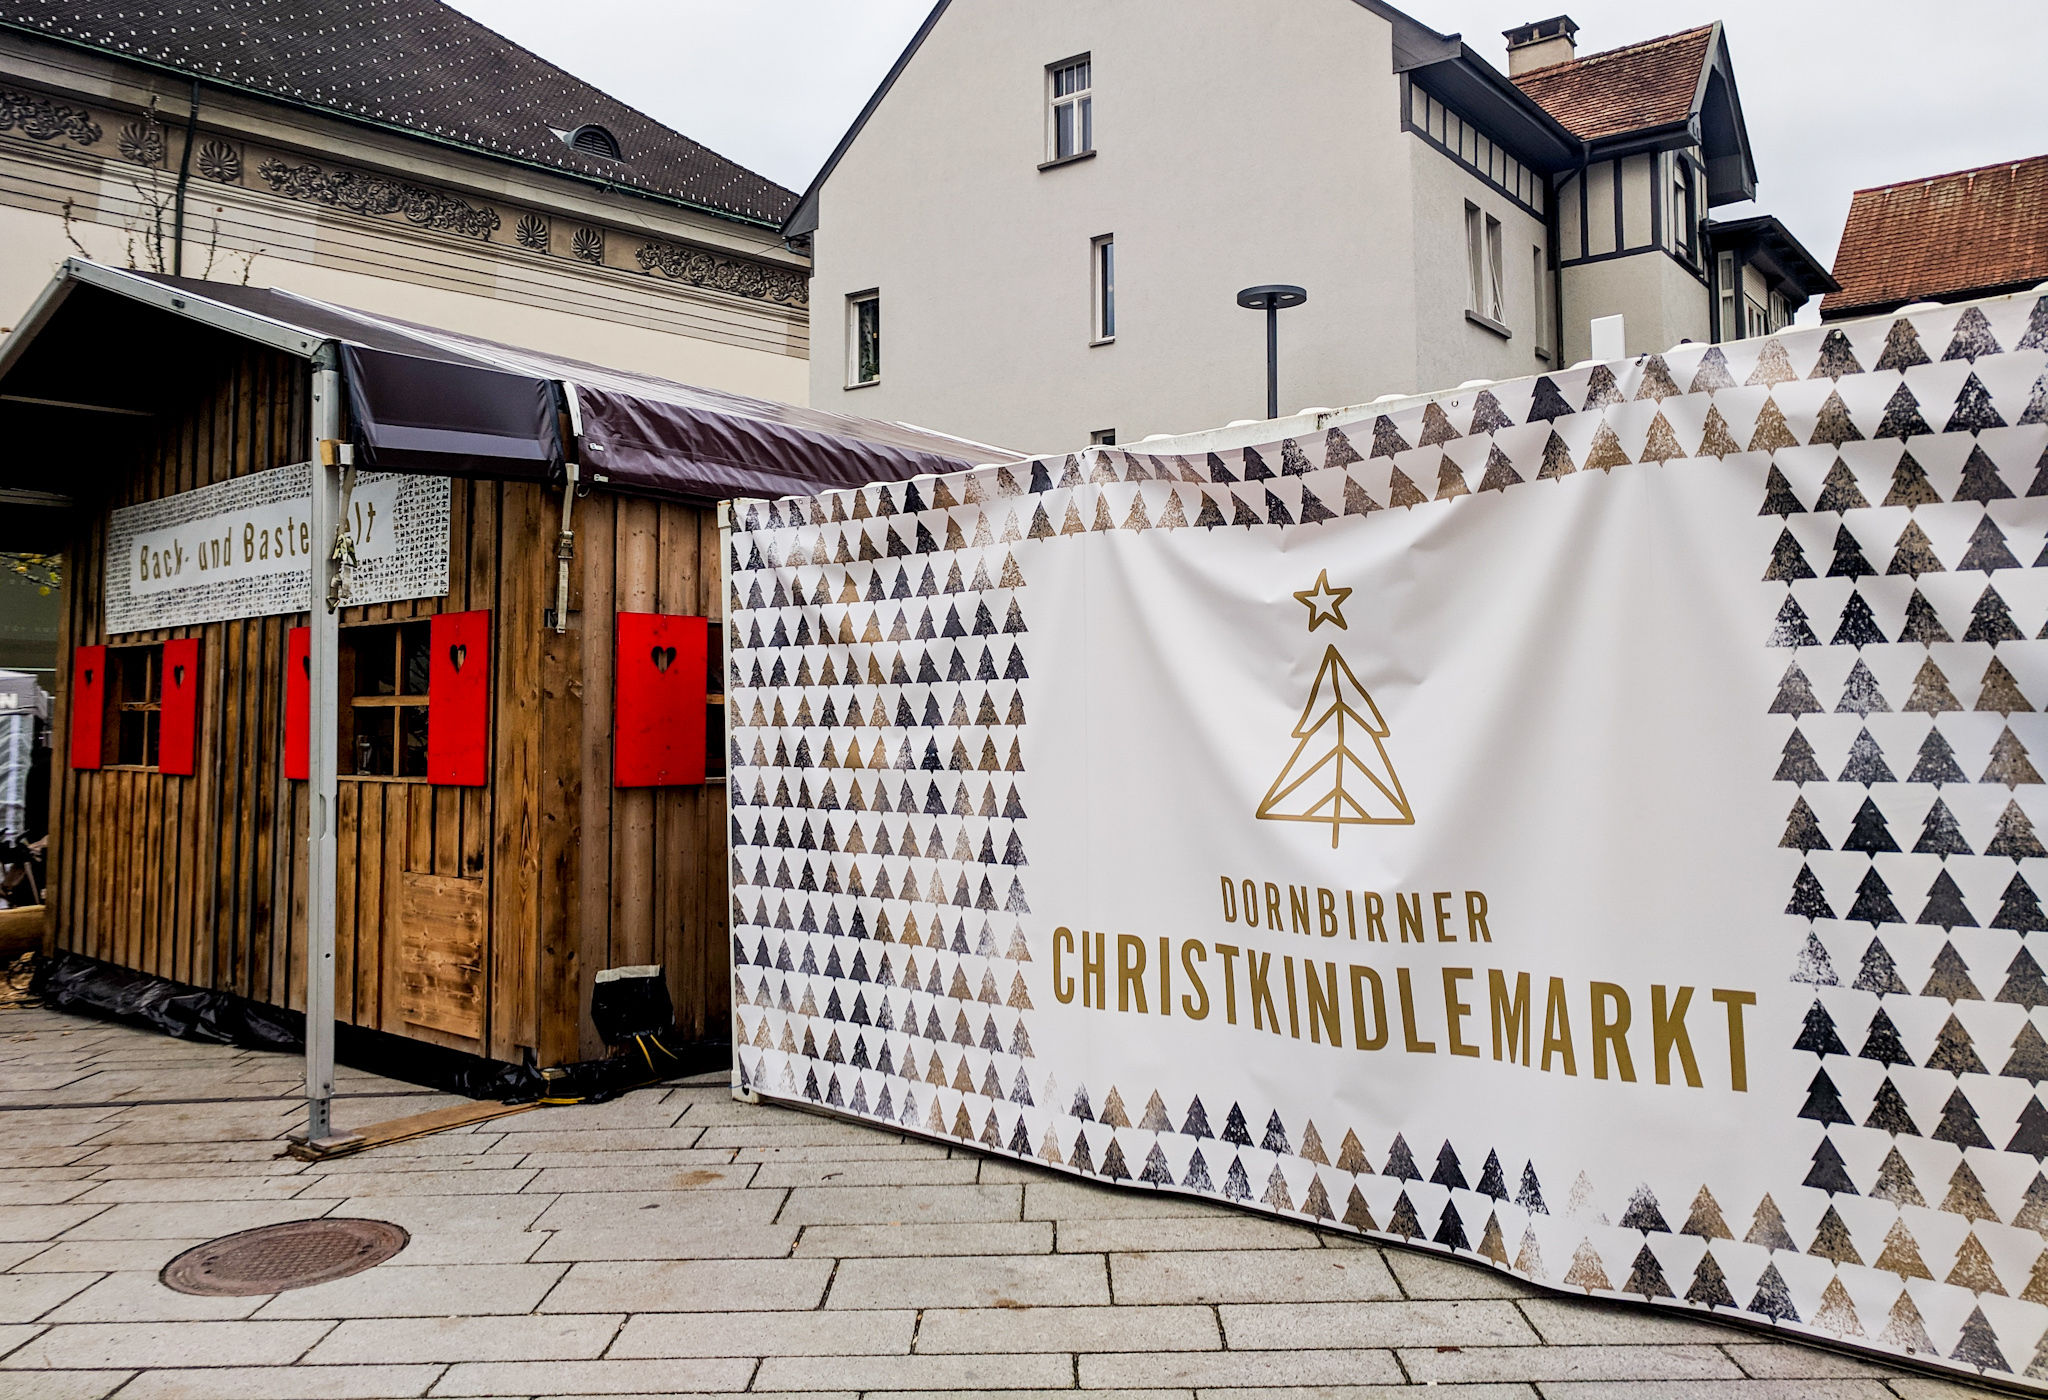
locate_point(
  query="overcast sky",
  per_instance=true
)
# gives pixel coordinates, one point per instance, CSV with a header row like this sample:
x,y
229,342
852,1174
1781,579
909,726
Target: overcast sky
x,y
1838,94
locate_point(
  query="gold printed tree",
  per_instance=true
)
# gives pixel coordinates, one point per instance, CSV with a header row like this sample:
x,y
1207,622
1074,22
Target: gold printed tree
x,y
1334,775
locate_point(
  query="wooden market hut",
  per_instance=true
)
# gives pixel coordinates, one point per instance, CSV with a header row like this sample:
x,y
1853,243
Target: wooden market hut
x,y
496,850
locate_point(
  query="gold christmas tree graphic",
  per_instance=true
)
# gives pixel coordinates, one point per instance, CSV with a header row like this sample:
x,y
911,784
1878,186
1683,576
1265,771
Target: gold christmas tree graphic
x,y
1333,776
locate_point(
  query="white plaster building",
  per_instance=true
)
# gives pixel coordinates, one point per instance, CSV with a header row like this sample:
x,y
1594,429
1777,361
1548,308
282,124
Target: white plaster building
x,y
1035,231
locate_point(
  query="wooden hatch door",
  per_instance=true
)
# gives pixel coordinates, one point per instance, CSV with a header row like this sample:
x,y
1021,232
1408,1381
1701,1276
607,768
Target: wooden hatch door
x,y
441,953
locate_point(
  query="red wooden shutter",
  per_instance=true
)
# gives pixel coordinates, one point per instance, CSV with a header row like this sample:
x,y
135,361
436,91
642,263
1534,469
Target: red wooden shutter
x,y
298,703
88,704
178,720
658,723
459,700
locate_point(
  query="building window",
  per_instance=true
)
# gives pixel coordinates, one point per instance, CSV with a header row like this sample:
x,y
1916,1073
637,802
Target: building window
x,y
864,338
1496,272
1487,297
1475,259
1103,437
1071,109
1684,219
384,725
1103,275
1731,328
1540,285
136,676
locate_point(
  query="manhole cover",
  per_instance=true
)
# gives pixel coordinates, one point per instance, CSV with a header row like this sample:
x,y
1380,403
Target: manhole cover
x,y
297,1254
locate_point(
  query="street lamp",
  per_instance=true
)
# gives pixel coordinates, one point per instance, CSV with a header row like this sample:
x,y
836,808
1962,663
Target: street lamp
x,y
1270,299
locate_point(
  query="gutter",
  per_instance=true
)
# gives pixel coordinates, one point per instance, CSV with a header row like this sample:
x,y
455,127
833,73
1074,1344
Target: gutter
x,y
610,186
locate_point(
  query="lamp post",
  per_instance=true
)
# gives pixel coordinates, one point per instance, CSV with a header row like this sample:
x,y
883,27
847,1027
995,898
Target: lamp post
x,y
1270,299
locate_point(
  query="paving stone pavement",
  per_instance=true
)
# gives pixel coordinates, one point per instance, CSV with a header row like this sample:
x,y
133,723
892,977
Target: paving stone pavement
x,y
675,1242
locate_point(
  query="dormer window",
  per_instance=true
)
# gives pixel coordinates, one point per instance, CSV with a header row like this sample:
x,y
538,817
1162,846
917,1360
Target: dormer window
x,y
592,139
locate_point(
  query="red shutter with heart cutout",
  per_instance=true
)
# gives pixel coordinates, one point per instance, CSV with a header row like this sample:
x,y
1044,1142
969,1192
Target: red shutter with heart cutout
x,y
459,700
658,724
88,701
298,703
178,717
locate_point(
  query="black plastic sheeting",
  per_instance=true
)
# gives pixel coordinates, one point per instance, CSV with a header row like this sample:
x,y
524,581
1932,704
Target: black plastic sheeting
x,y
86,986
411,414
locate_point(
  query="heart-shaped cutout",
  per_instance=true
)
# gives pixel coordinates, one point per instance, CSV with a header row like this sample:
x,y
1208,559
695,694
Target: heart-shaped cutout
x,y
457,654
306,664
668,658
88,676
178,677
660,660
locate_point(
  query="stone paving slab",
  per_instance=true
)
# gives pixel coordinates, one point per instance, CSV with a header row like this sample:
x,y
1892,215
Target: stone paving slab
x,y
677,1242
364,1341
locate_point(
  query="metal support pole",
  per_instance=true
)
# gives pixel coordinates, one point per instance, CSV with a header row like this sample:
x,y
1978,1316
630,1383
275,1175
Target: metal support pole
x,y
1272,359
326,671
1272,299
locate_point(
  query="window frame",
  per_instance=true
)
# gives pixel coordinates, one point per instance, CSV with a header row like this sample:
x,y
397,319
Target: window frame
x,y
1485,277
1497,274
1684,216
355,641
856,306
1102,289
1540,289
1731,296
149,708
1079,101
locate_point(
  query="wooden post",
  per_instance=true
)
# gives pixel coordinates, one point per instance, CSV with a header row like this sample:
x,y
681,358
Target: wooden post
x,y
325,653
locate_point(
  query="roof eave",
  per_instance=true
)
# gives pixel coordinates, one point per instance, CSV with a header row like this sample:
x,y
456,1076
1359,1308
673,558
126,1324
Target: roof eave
x,y
1719,60
1465,80
410,133
1884,306
73,272
803,218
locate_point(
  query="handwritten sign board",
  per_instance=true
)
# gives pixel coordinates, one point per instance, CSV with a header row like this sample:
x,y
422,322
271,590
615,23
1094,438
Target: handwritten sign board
x,y
243,548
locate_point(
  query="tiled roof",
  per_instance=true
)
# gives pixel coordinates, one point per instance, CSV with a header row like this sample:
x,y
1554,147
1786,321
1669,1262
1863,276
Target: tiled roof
x,y
416,65
1626,89
1976,231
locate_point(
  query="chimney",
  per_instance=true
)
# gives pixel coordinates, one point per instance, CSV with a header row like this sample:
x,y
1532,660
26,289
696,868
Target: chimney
x,y
1540,44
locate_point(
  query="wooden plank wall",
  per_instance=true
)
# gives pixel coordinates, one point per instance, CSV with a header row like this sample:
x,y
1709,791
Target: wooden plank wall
x,y
195,879
650,877
201,879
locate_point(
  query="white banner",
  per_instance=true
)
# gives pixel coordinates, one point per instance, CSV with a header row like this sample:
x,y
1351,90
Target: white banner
x,y
241,548
1584,824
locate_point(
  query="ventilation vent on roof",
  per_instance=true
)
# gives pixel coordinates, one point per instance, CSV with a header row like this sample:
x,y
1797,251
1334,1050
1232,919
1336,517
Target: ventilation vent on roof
x,y
594,140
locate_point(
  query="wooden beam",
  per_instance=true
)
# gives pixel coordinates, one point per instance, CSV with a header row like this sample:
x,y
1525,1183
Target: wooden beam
x,y
392,1130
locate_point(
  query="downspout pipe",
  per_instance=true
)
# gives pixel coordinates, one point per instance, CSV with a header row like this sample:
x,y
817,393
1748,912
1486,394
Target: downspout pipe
x,y
184,179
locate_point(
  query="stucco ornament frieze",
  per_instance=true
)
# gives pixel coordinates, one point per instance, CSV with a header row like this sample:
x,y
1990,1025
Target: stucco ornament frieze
x,y
361,193
734,275
40,119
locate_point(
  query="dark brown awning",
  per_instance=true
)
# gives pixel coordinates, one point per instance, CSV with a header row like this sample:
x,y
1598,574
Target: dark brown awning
x,y
433,401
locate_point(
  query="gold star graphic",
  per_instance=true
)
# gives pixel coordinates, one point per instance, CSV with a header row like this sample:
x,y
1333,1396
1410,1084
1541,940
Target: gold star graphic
x,y
1324,603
